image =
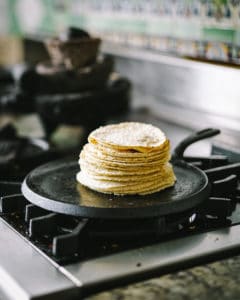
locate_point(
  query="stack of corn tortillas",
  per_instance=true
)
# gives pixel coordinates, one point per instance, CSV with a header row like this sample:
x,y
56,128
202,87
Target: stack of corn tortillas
x,y
126,158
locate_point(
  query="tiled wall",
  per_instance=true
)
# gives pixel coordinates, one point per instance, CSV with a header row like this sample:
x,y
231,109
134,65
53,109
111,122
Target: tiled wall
x,y
207,29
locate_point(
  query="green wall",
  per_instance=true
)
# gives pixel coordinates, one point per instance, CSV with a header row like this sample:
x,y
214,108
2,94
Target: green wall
x,y
189,27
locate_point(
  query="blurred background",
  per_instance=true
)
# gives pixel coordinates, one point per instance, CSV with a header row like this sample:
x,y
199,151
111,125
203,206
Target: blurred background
x,y
207,29
176,60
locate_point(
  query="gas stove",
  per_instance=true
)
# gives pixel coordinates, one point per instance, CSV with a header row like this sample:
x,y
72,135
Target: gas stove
x,y
48,255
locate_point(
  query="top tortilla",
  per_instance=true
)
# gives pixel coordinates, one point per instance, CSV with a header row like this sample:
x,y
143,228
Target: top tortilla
x,y
136,136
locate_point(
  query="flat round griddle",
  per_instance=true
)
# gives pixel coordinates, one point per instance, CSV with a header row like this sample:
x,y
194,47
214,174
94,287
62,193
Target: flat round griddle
x,y
53,186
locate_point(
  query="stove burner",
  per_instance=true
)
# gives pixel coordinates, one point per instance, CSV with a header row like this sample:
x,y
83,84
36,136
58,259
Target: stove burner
x,y
67,238
89,108
19,155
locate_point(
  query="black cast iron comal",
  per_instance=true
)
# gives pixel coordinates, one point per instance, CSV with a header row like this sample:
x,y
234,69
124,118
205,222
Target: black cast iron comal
x,y
53,186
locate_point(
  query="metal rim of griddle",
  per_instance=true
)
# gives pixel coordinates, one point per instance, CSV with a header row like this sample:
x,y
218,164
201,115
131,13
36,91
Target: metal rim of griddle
x,y
193,199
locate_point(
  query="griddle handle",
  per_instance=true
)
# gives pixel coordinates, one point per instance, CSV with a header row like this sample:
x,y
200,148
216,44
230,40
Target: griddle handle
x,y
197,136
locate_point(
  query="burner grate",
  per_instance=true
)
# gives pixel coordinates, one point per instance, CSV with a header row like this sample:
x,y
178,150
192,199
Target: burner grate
x,y
223,171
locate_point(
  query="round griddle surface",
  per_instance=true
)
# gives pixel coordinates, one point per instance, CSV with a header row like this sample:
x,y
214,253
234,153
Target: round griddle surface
x,y
53,186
